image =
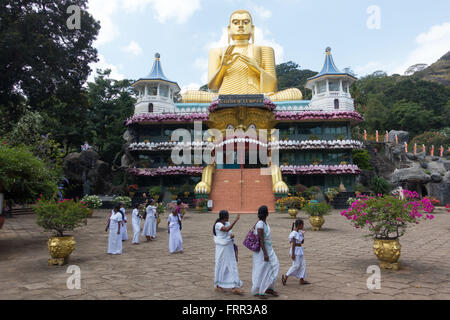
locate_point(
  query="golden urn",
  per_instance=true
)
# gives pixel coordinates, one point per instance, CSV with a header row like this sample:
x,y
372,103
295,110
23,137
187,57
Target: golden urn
x,y
91,212
316,222
388,252
60,249
293,213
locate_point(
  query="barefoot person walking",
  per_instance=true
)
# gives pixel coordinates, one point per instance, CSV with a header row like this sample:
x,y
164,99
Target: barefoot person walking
x,y
136,222
298,268
174,229
149,231
265,261
226,273
115,237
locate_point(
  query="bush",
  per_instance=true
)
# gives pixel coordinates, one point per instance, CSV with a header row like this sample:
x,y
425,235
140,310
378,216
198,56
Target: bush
x,y
23,176
60,216
361,159
315,209
154,191
123,199
379,185
93,202
430,138
292,202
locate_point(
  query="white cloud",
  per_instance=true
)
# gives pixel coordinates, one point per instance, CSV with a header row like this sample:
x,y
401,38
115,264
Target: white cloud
x,y
164,10
103,64
431,45
132,48
190,86
369,68
262,12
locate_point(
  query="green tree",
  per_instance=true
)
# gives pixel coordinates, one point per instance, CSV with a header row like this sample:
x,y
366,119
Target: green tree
x,y
110,103
290,75
377,114
41,57
410,116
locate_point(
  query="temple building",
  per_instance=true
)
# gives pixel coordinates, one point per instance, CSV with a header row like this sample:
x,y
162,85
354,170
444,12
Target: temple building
x,y
314,144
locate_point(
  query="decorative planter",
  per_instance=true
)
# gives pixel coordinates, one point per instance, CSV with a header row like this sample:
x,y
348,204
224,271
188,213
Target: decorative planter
x,y
158,221
60,249
282,209
186,194
131,194
199,209
316,222
156,197
91,212
173,197
388,252
293,213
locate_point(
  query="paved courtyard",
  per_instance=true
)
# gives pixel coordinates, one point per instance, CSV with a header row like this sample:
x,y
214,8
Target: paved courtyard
x,y
337,259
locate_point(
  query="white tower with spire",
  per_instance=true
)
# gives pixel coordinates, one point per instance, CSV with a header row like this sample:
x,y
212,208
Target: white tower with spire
x,y
331,87
155,92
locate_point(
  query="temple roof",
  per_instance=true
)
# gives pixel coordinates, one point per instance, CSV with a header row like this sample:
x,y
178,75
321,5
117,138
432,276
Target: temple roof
x,y
157,72
329,68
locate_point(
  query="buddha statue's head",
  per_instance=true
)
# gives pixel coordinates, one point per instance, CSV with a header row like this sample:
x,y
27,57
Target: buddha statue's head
x,y
241,26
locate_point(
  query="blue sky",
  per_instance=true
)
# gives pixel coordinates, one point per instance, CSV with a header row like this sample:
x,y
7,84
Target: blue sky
x,y
182,31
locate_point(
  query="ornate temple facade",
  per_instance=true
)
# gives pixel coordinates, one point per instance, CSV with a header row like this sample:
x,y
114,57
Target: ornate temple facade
x,y
314,141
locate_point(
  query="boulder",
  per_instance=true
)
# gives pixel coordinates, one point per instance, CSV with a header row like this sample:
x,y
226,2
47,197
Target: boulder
x,y
411,156
446,164
403,136
441,190
414,174
434,158
436,177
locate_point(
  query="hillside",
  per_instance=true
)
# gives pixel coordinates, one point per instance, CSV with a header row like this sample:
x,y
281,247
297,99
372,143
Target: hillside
x,y
438,72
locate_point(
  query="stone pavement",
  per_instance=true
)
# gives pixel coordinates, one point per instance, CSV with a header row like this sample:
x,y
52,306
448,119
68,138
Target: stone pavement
x,y
337,259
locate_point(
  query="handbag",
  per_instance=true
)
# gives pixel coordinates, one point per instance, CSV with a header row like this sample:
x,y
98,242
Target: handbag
x,y
251,241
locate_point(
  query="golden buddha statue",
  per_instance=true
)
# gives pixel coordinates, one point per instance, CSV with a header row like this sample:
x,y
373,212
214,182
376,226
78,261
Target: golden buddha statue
x,y
242,67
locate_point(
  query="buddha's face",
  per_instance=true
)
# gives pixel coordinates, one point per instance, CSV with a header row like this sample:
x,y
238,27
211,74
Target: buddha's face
x,y
241,26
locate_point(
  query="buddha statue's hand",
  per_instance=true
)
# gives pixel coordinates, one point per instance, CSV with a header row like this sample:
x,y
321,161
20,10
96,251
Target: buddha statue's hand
x,y
252,63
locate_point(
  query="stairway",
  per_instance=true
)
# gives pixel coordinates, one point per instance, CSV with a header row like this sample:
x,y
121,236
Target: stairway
x,y
340,201
241,191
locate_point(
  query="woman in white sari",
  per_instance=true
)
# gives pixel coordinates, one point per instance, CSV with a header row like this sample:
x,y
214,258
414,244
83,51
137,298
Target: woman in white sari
x,y
226,273
174,229
150,220
123,230
265,261
136,223
115,237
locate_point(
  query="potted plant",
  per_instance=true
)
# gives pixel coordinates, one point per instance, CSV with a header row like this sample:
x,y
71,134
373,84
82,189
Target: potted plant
x,y
331,193
174,192
201,204
281,205
123,199
294,204
92,202
300,190
154,192
312,192
187,189
387,218
132,188
316,211
59,217
160,210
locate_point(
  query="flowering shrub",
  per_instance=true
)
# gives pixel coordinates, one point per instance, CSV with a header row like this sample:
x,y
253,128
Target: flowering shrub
x,y
321,169
331,193
315,209
160,209
123,199
387,216
318,115
435,202
164,117
133,188
93,202
200,203
167,171
172,205
59,216
292,202
315,144
447,207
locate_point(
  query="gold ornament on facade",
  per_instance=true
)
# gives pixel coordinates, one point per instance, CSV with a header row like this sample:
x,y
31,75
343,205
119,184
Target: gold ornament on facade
x,y
241,67
60,249
388,252
241,118
316,222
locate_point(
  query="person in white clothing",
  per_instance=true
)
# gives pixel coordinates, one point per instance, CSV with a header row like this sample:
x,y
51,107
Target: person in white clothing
x,y
123,230
174,230
226,273
115,237
298,268
265,261
149,231
136,222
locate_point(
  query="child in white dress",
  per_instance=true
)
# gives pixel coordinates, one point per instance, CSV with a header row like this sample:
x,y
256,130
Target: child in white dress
x,y
298,268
